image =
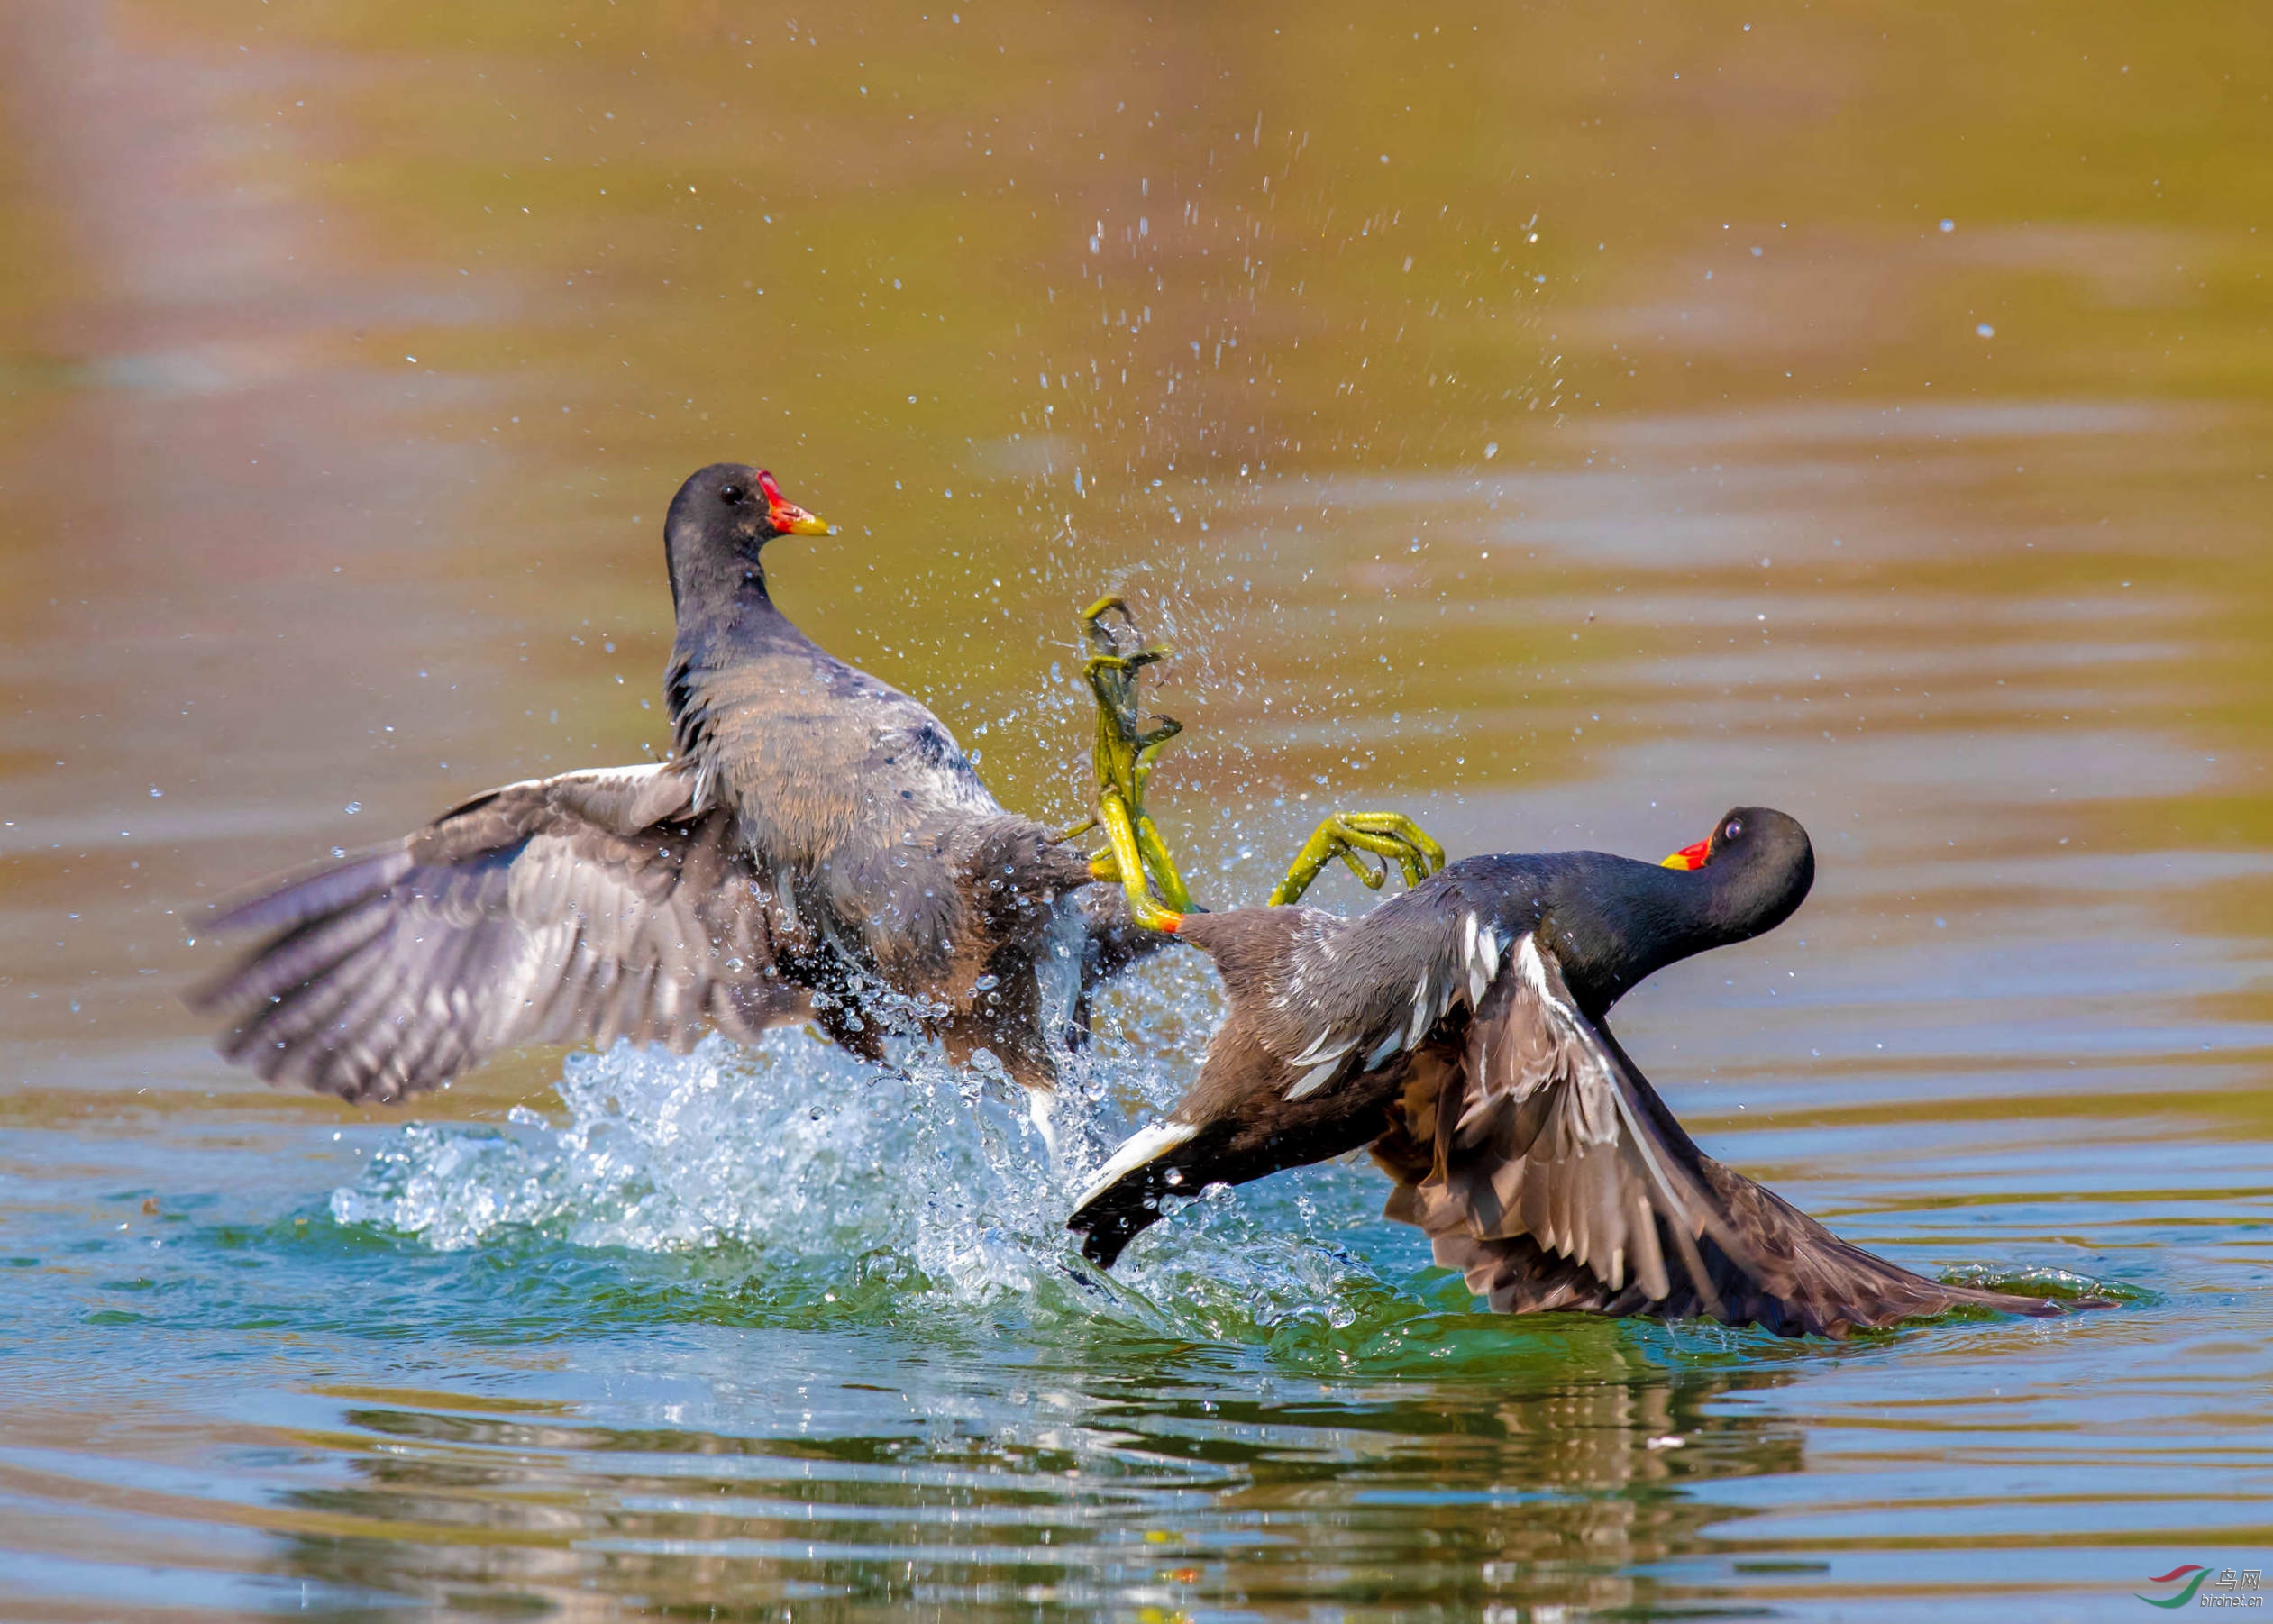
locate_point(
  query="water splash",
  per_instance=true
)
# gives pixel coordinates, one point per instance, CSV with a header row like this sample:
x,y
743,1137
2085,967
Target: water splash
x,y
790,1184
825,1190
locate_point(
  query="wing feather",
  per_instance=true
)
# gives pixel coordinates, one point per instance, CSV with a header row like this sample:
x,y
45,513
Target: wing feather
x,y
594,905
1344,997
1558,1179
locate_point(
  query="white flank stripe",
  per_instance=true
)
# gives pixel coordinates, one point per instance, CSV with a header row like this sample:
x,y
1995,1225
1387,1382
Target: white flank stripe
x,y
1145,1144
1315,1079
1423,1012
1318,1050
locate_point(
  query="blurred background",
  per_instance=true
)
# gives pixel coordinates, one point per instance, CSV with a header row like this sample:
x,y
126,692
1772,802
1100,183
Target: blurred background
x,y
1560,422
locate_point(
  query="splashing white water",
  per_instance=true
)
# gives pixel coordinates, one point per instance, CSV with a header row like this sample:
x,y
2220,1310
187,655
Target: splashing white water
x,y
823,1176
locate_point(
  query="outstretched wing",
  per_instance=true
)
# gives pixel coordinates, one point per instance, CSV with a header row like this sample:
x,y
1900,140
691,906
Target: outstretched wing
x,y
1555,1178
1338,998
591,906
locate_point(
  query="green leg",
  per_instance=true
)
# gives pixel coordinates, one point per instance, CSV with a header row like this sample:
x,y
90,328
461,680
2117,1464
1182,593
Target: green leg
x,y
1124,755
1127,866
1162,867
1390,836
1136,859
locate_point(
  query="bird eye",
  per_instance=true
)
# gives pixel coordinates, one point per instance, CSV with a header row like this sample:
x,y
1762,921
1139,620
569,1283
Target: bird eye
x,y
1733,829
731,493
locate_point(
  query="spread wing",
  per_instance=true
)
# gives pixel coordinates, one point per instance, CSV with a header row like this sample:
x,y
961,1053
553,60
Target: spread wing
x,y
1554,1177
1340,997
591,906
1542,1134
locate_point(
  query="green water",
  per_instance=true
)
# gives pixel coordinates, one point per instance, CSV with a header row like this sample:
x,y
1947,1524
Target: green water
x,y
1560,423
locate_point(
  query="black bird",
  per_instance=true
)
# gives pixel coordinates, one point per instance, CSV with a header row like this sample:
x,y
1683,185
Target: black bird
x,y
1458,1030
818,846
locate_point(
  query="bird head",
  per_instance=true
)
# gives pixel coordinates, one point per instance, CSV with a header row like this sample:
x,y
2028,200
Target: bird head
x,y
1759,864
720,520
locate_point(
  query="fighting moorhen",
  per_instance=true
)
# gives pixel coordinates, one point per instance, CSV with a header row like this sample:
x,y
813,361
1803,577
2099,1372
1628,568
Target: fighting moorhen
x,y
1457,1029
816,846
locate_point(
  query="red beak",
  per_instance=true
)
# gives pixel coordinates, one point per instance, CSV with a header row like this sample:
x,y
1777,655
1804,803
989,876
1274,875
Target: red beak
x,y
1690,857
785,515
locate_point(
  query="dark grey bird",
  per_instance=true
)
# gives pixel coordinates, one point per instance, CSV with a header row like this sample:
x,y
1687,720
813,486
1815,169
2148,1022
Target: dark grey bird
x,y
1458,1031
816,847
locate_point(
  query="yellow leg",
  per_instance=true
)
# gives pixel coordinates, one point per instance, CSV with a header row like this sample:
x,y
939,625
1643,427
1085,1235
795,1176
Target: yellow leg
x,y
1128,867
1124,755
1162,867
1156,862
1390,836
1136,859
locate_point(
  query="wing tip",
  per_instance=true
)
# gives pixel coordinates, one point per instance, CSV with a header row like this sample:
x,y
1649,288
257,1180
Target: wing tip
x,y
324,888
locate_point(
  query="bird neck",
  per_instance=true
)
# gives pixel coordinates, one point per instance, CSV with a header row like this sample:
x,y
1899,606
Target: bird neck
x,y
1616,928
732,617
728,622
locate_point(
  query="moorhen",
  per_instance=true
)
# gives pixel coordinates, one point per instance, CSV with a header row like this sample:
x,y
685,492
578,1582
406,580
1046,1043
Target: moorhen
x,y
1458,1030
818,846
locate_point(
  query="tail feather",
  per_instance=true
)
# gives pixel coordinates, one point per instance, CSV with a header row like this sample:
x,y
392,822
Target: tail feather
x,y
1787,1273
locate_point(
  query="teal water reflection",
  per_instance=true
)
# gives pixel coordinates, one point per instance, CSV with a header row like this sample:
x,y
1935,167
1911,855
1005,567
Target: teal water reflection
x,y
1626,446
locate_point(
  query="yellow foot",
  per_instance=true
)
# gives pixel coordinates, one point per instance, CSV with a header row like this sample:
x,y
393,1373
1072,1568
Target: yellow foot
x,y
1390,836
1124,756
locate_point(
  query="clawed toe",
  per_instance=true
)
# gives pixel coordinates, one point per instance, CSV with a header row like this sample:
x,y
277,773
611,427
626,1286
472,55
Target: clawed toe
x,y
1136,858
1343,836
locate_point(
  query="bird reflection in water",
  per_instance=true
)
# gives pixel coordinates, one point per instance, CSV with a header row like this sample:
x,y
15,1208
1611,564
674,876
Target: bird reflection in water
x,y
1544,1468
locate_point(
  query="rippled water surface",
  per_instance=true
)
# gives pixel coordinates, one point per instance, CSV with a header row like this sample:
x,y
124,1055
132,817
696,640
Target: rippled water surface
x,y
1562,422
